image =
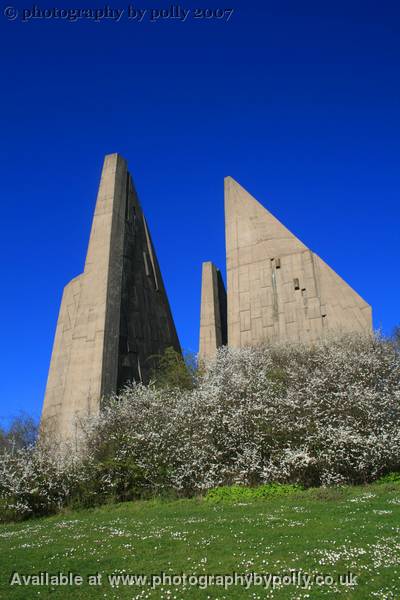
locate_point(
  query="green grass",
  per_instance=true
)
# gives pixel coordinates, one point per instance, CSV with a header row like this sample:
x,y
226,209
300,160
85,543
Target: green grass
x,y
317,531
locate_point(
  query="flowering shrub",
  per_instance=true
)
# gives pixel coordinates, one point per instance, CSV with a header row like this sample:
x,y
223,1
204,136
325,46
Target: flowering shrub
x,y
323,414
37,481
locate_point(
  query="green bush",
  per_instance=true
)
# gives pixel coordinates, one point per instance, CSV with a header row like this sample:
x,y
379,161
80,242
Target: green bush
x,y
241,493
390,478
174,370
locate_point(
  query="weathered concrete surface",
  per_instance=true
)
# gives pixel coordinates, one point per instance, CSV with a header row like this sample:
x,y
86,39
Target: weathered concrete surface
x,y
277,288
114,316
213,323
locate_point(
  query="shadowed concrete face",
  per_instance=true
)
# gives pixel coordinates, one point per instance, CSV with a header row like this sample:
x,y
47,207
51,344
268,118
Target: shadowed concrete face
x,y
115,316
277,289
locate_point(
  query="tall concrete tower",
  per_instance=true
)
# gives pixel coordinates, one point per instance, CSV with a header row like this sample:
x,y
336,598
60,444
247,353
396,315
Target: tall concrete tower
x,y
115,316
277,288
213,317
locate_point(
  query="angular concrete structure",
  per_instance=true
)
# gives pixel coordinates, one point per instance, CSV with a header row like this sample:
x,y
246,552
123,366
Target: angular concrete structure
x,y
278,289
115,316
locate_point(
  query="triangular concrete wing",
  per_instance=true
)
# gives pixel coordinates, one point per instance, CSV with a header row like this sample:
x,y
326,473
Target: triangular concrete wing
x,y
277,288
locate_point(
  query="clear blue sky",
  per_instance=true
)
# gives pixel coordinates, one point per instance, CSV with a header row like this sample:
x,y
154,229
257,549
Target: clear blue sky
x,y
298,101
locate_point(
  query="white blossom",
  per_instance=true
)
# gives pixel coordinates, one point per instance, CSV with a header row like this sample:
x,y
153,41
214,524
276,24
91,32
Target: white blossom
x,y
326,414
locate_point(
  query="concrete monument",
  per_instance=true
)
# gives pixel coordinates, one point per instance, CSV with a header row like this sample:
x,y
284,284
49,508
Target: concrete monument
x,y
115,316
277,288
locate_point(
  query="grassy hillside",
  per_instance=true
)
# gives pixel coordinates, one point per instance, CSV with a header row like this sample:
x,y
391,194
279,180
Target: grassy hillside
x,y
321,531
